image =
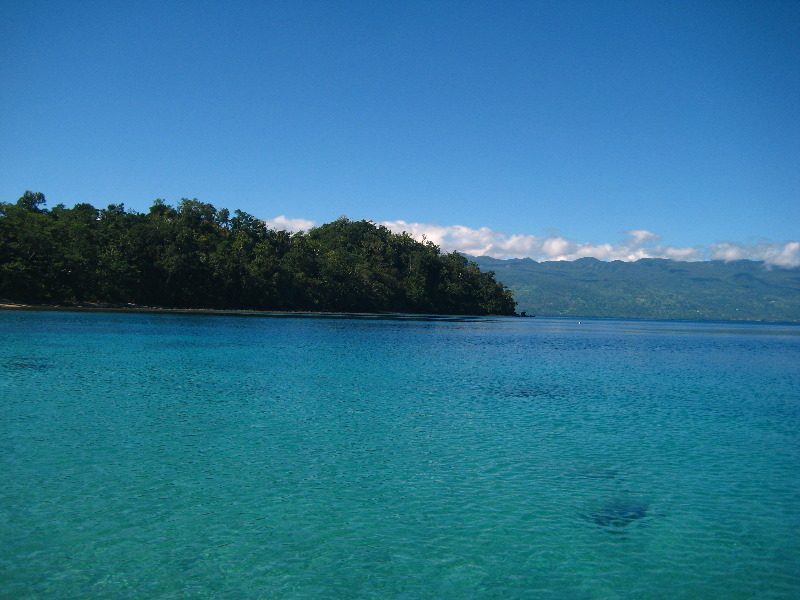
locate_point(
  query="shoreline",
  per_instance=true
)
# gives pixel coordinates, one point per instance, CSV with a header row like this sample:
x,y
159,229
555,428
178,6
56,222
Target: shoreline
x,y
102,307
129,308
109,307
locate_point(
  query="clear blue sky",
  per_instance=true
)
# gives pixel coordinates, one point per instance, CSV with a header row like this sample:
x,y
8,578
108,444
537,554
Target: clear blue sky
x,y
589,118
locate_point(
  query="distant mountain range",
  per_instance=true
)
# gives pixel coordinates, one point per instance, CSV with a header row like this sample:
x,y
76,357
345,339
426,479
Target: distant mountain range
x,y
651,288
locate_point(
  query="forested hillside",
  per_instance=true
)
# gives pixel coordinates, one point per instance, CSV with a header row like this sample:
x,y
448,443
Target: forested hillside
x,y
195,256
651,288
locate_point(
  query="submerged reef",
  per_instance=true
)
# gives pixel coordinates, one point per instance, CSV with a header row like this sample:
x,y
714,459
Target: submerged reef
x,y
618,513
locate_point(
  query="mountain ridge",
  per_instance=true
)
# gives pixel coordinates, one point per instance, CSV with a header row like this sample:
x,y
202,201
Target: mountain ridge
x,y
651,288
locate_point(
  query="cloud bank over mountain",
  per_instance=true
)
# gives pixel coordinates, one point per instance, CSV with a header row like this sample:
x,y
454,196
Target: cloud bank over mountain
x,y
636,244
782,255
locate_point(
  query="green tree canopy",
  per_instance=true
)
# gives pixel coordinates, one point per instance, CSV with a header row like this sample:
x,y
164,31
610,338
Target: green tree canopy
x,y
195,256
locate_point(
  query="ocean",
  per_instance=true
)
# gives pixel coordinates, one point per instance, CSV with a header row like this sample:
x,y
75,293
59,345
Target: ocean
x,y
355,457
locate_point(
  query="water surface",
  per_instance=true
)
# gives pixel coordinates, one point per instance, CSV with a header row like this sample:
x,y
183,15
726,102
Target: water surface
x,y
174,456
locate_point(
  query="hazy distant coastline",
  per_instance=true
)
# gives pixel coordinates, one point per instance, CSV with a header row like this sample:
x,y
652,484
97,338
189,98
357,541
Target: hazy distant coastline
x,y
651,288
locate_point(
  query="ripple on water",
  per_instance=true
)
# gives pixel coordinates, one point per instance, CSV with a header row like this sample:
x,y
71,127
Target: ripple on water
x,y
336,458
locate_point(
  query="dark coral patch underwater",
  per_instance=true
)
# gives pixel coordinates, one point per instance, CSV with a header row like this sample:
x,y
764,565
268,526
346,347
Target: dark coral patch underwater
x,y
618,513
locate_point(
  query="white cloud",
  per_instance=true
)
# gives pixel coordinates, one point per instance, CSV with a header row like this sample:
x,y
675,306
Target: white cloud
x,y
486,242
281,223
772,253
637,244
728,251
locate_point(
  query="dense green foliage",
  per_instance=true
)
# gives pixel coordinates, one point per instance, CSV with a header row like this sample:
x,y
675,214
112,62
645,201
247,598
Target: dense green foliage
x,y
195,256
652,289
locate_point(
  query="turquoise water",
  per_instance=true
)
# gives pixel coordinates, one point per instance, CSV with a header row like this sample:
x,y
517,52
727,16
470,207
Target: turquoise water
x,y
173,456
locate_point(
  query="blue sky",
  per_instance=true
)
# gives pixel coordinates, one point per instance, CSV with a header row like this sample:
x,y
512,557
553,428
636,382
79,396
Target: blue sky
x,y
544,129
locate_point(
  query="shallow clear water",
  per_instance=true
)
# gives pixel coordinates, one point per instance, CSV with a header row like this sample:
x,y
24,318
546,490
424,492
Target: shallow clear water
x,y
173,456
